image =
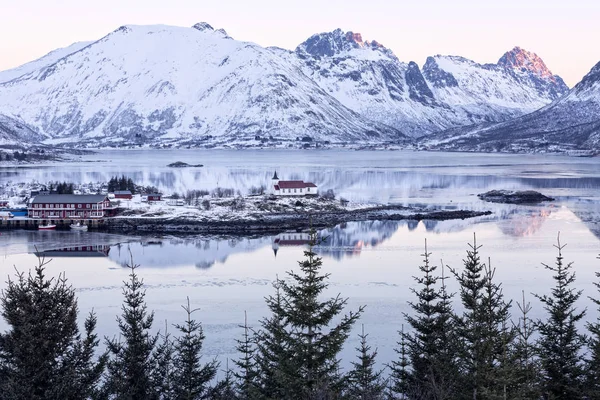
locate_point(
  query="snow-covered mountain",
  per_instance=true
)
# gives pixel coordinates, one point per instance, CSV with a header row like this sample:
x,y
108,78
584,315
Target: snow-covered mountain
x,y
42,62
143,84
15,133
449,91
571,123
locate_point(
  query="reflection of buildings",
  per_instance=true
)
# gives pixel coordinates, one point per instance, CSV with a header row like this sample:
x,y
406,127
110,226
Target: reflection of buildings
x,y
101,250
346,239
290,239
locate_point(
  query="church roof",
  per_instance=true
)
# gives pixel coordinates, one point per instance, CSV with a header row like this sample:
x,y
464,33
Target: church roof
x,y
295,185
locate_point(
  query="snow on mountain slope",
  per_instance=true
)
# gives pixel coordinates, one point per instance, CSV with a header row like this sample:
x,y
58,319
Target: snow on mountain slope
x,y
15,133
41,62
571,123
450,91
520,83
369,79
140,84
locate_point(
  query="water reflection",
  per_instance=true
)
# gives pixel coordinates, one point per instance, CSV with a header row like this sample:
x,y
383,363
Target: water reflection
x,y
359,176
342,241
77,251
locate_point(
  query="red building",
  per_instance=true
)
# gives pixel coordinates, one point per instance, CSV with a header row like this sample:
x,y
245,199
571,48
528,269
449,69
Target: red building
x,y
71,206
3,203
123,194
152,197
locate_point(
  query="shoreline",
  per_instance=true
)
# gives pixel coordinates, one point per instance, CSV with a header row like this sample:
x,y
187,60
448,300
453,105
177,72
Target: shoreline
x,y
279,222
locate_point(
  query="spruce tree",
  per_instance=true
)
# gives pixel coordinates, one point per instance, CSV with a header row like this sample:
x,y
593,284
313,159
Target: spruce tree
x,y
497,340
525,364
191,378
592,369
429,346
273,363
246,375
163,371
400,380
481,329
225,389
312,340
560,344
42,354
131,360
364,381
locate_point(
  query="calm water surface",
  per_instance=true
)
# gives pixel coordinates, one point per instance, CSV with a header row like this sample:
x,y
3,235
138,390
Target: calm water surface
x,y
371,263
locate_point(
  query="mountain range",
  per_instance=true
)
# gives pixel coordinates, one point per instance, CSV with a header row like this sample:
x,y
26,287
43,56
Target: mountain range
x,y
174,86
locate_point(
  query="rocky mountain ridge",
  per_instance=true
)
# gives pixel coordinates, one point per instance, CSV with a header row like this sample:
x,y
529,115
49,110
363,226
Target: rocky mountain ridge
x,y
149,85
570,124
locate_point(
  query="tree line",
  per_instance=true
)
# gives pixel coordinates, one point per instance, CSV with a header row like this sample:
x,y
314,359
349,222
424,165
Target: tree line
x,y
121,183
481,352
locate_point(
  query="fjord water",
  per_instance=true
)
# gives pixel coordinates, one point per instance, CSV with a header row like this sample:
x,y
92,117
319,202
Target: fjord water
x,y
372,263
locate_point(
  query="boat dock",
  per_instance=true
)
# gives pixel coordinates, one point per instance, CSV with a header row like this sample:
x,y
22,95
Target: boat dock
x,y
61,224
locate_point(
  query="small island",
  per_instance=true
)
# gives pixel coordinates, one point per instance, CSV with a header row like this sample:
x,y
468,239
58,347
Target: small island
x,y
514,197
181,164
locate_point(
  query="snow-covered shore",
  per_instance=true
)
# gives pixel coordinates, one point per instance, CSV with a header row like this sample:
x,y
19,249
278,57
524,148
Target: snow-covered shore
x,y
254,214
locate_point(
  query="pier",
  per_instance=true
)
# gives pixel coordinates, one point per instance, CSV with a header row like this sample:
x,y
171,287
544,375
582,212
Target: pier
x,y
61,223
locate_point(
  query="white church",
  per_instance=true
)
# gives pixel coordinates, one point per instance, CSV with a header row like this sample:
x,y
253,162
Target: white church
x,y
292,188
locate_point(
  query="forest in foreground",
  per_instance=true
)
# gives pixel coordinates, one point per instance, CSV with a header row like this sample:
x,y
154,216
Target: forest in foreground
x,y
491,349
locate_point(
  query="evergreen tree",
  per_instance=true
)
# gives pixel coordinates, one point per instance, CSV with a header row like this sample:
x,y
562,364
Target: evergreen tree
x,y
444,384
163,372
498,338
560,344
365,383
525,365
131,360
400,380
247,375
429,346
273,363
593,362
191,380
42,355
225,389
311,344
482,329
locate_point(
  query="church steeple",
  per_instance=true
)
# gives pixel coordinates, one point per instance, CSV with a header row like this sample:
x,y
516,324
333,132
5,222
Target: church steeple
x,y
275,177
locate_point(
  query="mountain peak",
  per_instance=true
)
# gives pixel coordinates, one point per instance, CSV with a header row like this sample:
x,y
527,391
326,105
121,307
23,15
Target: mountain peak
x,y
203,26
328,44
525,61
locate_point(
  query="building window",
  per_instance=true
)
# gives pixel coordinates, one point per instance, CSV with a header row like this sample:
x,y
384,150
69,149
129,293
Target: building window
x,y
308,189
294,190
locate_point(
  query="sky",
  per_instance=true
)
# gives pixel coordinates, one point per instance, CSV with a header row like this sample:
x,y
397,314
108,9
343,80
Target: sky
x,y
563,33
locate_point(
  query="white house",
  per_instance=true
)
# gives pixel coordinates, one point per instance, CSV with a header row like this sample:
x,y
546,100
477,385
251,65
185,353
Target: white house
x,y
292,188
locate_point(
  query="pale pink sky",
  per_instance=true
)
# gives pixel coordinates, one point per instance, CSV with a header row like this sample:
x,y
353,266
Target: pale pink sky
x,y
564,33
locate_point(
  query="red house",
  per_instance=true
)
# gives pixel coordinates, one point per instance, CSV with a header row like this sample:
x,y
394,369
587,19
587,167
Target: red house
x,y
152,197
123,194
3,203
69,206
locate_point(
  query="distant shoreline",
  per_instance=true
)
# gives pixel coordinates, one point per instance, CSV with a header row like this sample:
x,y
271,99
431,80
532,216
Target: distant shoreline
x,y
276,223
